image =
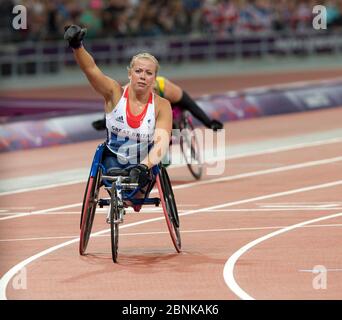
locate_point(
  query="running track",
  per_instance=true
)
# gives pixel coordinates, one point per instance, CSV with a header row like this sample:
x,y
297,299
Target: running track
x,y
260,230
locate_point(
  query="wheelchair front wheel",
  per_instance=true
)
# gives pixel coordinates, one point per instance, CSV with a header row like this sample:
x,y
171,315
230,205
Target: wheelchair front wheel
x,y
114,223
169,207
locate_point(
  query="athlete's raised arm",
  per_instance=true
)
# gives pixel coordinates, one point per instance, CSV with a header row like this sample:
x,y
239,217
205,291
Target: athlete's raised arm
x,y
104,85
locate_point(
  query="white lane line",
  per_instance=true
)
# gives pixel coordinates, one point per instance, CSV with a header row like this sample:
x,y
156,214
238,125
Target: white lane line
x,y
296,206
300,203
55,211
199,183
209,159
158,209
228,270
39,238
277,209
53,185
266,151
58,213
261,172
11,213
315,271
44,211
15,269
166,232
15,208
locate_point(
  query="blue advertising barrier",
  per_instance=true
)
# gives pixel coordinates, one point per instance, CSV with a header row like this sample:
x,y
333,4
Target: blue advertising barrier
x,y
62,125
266,101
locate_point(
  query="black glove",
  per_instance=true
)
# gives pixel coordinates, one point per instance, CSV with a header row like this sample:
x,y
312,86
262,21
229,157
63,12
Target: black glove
x,y
99,124
74,34
216,125
140,174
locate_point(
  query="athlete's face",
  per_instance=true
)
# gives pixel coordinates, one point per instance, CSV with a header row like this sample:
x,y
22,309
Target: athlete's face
x,y
142,75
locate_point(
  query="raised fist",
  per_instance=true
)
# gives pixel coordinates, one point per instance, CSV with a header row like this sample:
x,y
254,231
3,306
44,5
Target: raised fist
x,y
74,35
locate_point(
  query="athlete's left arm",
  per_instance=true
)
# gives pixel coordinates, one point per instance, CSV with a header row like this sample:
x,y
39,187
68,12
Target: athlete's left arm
x,y
162,133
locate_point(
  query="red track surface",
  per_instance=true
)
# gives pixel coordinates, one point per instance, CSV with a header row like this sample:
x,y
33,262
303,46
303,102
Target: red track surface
x,y
223,216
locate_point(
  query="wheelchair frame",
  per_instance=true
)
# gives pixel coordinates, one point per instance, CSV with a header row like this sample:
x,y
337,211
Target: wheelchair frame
x,y
121,191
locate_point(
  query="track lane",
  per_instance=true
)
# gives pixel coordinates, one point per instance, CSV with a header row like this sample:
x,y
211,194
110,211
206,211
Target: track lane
x,y
163,247
146,259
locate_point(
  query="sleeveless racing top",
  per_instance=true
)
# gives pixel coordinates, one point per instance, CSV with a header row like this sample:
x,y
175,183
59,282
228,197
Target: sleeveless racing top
x,y
129,136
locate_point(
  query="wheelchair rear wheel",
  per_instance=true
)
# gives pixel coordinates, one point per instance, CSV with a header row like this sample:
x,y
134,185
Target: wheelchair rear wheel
x,y
190,147
88,210
169,207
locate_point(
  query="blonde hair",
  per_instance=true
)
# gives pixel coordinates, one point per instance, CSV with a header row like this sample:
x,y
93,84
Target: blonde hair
x,y
144,55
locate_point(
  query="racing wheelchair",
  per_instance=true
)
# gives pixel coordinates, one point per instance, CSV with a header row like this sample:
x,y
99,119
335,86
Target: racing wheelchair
x,y
189,145
122,191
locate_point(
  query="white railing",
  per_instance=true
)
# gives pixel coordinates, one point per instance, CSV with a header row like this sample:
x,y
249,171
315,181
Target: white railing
x,y
52,57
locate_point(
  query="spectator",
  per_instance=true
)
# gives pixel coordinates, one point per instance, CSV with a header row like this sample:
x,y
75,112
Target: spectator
x,y
193,15
172,18
333,13
115,17
126,18
303,16
91,18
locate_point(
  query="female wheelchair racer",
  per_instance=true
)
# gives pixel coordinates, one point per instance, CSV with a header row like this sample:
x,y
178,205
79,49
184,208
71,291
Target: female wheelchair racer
x,y
134,116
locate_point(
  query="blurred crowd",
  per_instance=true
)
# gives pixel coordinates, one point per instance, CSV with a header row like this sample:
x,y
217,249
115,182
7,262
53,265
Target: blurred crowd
x,y
138,18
